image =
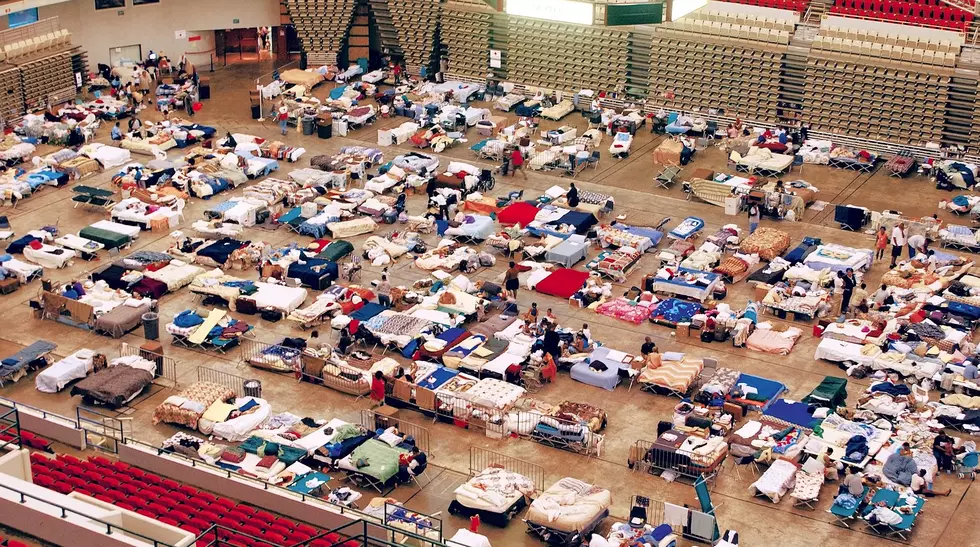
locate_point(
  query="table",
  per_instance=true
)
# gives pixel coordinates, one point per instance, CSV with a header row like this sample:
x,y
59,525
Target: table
x,y
299,485
701,173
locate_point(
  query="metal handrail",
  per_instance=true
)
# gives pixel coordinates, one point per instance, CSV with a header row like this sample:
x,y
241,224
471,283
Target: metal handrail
x,y
24,496
44,413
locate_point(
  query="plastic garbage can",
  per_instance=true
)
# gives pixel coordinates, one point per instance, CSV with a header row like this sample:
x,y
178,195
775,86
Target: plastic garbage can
x,y
308,125
252,388
151,326
324,128
256,112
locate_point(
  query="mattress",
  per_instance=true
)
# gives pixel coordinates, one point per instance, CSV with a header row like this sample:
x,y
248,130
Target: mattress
x,y
840,351
768,243
569,505
132,231
74,367
122,319
839,258
776,481
677,376
49,256
278,297
117,384
772,341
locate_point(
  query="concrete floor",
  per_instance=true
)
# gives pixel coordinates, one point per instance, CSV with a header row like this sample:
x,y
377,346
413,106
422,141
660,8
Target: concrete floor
x,y
633,415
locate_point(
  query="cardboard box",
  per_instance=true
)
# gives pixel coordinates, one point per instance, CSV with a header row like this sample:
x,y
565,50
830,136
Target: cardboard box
x,y
735,410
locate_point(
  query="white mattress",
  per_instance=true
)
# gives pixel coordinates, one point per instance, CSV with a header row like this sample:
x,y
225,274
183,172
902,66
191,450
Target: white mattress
x,y
46,257
840,351
131,231
500,363
74,367
319,437
279,297
78,243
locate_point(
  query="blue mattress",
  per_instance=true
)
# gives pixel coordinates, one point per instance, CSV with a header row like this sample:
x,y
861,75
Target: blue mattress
x,y
687,228
654,235
220,250
438,377
481,228
314,230
206,129
807,246
17,246
711,276
607,379
674,311
770,389
581,221
311,272
966,310
546,230
369,310
794,412
337,92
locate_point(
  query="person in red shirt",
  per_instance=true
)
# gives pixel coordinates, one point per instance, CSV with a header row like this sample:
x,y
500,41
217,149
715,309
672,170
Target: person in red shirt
x,y
517,162
378,388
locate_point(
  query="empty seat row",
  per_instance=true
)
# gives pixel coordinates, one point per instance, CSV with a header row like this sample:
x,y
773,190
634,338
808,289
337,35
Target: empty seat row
x,y
901,19
44,42
918,42
792,5
170,502
907,7
744,19
734,31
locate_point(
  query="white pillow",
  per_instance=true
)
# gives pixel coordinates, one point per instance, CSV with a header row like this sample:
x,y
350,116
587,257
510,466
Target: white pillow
x,y
390,438
178,263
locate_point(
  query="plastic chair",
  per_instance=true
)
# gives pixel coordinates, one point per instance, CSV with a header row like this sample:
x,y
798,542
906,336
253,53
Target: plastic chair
x,y
797,162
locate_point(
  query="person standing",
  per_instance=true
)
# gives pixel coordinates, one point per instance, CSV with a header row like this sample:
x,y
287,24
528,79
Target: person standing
x,y
189,104
517,161
881,243
384,292
505,166
552,343
283,119
378,388
755,216
898,241
511,282
837,297
848,282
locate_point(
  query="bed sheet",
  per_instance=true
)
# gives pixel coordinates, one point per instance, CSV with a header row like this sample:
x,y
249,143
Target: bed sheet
x,y
568,252
481,228
839,258
768,243
132,231
74,367
569,505
625,310
677,376
776,481
772,341
840,351
562,282
49,256
278,297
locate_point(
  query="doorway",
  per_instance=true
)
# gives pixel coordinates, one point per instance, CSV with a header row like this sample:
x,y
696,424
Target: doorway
x,y
244,44
125,55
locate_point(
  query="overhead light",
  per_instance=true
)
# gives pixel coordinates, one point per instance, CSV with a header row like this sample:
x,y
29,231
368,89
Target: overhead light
x,y
564,11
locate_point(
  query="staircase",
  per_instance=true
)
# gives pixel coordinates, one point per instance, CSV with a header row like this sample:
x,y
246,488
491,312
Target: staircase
x,y
816,10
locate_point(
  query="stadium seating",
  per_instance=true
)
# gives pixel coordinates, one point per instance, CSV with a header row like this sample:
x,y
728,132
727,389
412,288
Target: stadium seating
x,y
170,502
923,13
798,6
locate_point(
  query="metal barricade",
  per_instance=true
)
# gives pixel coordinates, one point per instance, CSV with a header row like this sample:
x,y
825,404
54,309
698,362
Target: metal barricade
x,y
372,421
414,522
231,381
166,366
697,526
659,456
274,357
102,431
481,459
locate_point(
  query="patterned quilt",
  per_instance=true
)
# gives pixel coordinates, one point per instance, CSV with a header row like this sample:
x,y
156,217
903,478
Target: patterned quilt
x,y
766,242
674,375
625,310
204,394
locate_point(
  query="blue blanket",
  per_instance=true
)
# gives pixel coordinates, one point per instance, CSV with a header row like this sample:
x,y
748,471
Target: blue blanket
x,y
369,310
19,360
900,469
794,413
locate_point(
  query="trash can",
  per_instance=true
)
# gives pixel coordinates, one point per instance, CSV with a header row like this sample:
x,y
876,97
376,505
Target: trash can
x,y
256,111
308,125
324,128
151,326
253,388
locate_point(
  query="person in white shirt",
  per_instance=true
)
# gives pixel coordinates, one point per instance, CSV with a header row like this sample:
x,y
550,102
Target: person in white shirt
x,y
898,241
917,244
881,295
922,488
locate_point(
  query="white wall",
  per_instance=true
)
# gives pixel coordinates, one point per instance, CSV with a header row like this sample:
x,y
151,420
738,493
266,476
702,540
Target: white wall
x,y
153,25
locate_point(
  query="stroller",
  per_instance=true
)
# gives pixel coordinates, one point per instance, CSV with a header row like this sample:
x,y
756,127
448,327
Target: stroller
x,y
486,182
967,463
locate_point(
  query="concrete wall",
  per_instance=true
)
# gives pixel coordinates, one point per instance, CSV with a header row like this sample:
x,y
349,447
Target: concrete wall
x,y
153,25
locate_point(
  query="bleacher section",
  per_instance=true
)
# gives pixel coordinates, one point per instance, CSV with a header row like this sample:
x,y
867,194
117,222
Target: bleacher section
x,y
798,6
931,13
467,34
874,81
723,59
170,502
40,65
321,25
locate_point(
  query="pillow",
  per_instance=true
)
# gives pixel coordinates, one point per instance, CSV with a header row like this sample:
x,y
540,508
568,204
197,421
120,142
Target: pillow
x,y
36,245
133,303
178,263
390,438
271,449
175,401
396,172
233,454
193,406
673,356
267,462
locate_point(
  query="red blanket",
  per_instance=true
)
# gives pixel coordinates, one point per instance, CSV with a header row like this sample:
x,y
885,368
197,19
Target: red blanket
x,y
562,283
520,212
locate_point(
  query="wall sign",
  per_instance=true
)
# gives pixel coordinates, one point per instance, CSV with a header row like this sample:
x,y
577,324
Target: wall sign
x,y
110,4
564,11
180,34
495,58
